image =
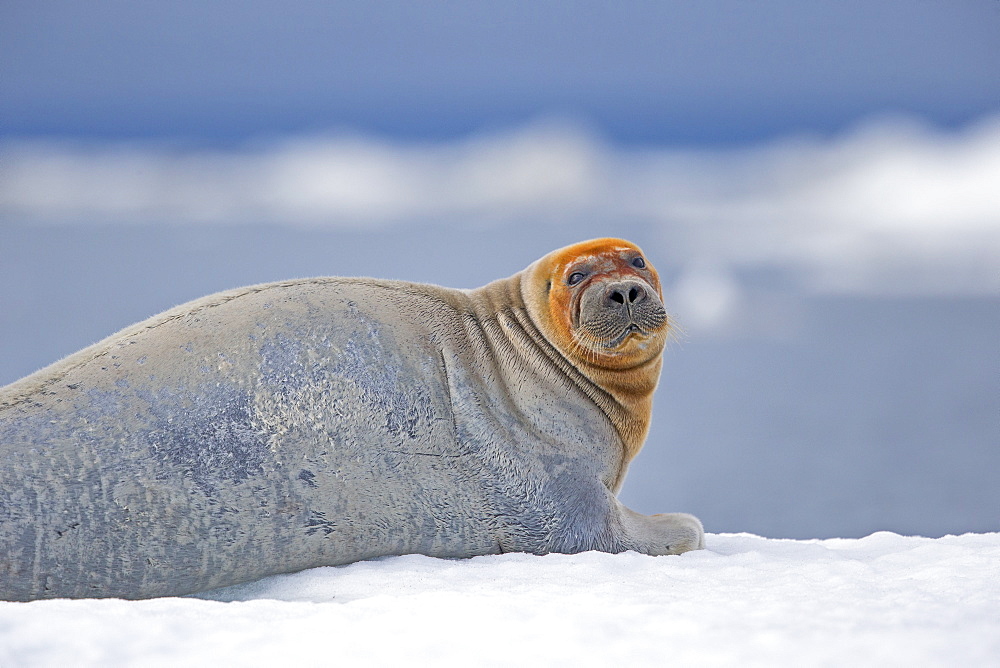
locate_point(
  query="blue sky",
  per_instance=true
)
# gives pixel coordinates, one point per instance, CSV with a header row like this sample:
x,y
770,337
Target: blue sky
x,y
714,72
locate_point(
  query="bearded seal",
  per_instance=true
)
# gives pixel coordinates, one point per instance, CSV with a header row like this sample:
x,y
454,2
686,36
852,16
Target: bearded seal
x,y
324,421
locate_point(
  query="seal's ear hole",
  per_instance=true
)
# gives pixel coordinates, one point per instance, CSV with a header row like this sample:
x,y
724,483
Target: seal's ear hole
x,y
639,263
548,287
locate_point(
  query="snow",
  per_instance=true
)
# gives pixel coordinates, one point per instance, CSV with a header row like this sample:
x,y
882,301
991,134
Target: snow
x,y
881,600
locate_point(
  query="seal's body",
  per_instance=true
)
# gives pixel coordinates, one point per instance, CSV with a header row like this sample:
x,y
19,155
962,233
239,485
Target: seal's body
x,y
324,421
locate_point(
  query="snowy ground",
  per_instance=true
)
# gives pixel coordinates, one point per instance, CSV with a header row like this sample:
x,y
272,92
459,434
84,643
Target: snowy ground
x,y
883,600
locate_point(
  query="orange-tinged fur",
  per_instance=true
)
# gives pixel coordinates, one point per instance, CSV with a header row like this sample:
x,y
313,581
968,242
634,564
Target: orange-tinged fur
x,y
630,372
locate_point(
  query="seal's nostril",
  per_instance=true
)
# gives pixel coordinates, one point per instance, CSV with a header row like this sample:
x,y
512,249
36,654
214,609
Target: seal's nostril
x,y
617,296
633,294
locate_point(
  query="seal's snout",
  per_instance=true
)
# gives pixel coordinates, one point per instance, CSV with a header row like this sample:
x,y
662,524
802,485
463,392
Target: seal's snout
x,y
614,312
624,293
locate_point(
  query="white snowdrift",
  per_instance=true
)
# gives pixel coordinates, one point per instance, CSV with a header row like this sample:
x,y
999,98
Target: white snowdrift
x,y
881,600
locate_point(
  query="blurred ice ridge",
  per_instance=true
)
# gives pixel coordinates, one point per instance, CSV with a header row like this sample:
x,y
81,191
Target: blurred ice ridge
x,y
891,198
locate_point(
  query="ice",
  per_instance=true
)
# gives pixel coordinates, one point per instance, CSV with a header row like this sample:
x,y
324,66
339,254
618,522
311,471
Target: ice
x,y
881,600
892,204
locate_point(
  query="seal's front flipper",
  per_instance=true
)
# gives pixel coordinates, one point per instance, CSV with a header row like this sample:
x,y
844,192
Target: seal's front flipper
x,y
664,533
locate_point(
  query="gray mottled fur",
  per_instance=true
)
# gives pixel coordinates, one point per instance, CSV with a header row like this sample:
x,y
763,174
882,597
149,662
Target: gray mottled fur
x,y
300,424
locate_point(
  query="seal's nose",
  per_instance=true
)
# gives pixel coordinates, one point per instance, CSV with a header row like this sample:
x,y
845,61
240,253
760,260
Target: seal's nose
x,y
627,292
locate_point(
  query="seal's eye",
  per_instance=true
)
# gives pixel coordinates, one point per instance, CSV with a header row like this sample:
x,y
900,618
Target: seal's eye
x,y
639,263
576,277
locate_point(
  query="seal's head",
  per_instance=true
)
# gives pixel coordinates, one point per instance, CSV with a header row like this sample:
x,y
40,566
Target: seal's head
x,y
600,303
